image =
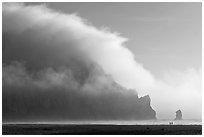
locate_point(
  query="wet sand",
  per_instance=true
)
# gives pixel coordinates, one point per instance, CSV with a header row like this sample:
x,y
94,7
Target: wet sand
x,y
67,129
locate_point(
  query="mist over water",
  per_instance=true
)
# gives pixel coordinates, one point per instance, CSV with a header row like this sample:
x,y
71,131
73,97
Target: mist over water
x,y
120,122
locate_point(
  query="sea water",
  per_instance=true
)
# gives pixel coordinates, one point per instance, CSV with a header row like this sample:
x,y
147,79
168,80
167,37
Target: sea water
x,y
122,122
142,122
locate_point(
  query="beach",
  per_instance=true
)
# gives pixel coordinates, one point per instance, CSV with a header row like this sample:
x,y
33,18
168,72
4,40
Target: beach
x,y
73,129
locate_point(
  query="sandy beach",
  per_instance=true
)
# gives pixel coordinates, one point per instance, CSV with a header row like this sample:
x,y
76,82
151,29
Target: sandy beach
x,y
47,129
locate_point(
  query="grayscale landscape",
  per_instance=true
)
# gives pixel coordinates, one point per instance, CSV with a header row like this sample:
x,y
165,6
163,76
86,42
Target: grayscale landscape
x,y
102,68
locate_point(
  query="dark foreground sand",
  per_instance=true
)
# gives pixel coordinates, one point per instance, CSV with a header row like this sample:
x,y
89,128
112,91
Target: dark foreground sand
x,y
37,129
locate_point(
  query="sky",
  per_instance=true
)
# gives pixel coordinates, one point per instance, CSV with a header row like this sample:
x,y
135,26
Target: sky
x,y
153,48
162,36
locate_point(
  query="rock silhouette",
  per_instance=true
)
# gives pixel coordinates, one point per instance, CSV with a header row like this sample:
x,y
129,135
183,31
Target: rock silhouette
x,y
178,115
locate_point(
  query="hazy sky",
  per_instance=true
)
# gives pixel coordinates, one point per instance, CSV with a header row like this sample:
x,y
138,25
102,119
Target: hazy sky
x,y
166,38
154,48
162,36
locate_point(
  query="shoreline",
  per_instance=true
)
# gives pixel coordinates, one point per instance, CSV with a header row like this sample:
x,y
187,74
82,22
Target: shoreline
x,y
96,129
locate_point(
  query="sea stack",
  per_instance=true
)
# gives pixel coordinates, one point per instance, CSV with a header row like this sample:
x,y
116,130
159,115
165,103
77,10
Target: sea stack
x,y
178,115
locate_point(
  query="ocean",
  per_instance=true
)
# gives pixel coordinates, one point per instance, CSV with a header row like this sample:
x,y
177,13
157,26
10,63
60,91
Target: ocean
x,y
121,122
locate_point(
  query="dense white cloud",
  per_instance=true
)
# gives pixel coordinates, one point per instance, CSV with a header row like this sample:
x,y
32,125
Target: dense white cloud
x,y
49,39
101,46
